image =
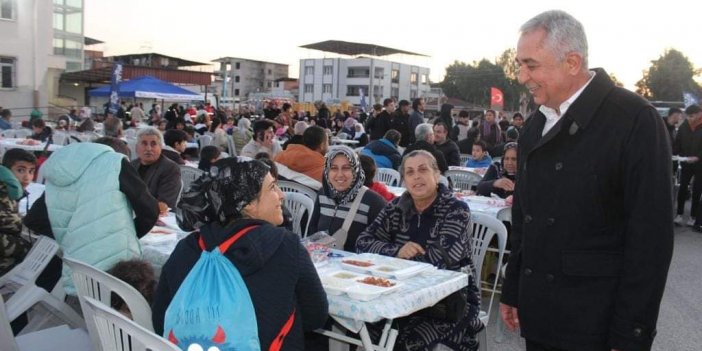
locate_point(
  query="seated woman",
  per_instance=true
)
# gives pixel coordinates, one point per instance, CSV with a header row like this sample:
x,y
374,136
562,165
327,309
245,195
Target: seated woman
x,y
427,223
275,267
342,186
499,178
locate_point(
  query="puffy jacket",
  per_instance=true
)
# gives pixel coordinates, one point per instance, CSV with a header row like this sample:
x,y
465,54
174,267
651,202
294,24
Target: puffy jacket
x,y
90,217
384,153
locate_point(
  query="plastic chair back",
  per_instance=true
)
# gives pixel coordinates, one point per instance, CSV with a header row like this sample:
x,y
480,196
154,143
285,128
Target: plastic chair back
x,y
485,228
465,158
387,176
204,140
33,264
117,333
188,175
462,179
293,187
299,204
92,282
7,338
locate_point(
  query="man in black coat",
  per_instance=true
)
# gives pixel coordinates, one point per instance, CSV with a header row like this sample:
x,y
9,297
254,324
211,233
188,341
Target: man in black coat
x,y
592,234
378,126
400,123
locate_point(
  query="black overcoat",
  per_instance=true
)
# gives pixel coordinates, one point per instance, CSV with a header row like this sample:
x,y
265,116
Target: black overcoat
x,y
593,233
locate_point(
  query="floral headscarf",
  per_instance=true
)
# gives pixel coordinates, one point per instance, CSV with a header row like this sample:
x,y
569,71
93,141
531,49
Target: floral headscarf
x,y
348,195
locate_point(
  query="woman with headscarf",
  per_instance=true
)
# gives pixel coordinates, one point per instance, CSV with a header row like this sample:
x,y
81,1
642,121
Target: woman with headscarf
x,y
501,176
344,206
242,134
360,135
276,268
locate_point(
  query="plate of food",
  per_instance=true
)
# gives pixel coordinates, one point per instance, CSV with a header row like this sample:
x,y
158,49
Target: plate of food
x,y
391,267
357,265
368,288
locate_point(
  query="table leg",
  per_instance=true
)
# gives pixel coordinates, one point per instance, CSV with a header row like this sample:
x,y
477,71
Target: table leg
x,y
336,345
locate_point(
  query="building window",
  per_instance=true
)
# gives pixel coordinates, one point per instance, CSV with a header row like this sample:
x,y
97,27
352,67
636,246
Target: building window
x,y
355,90
327,88
377,90
395,93
395,76
358,72
7,72
424,79
8,9
58,21
379,73
236,79
309,88
270,84
309,70
328,70
236,92
413,94
413,78
270,71
237,65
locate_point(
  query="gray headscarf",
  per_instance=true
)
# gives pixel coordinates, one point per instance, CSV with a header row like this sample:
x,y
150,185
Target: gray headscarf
x,y
348,195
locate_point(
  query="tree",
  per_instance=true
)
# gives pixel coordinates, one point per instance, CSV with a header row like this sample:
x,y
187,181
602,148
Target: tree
x,y
472,82
668,77
615,80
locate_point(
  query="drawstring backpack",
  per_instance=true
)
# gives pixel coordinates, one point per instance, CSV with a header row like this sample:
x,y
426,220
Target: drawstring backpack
x,y
213,308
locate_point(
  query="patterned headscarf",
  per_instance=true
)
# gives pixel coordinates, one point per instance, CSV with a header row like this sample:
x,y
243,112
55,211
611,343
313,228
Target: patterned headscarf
x,y
236,182
348,195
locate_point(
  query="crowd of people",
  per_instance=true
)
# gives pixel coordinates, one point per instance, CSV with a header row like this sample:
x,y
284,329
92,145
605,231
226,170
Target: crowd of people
x,y
589,175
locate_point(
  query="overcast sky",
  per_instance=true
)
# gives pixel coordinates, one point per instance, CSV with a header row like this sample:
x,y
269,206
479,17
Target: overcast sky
x,y
623,38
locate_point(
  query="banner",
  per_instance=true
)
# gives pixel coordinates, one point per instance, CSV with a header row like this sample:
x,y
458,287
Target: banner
x,y
497,101
364,105
114,87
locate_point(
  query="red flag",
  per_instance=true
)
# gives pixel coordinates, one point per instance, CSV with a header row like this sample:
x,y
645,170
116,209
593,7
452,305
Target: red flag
x,y
496,98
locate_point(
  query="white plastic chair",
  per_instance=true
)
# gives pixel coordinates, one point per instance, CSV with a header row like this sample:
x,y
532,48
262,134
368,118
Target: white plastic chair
x,y
59,138
293,187
99,285
188,175
117,333
8,133
130,133
465,158
298,204
387,176
462,179
204,140
51,339
22,133
485,228
131,144
22,280
230,146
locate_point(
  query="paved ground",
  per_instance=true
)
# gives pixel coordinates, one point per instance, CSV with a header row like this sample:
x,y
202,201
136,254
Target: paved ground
x,y
680,317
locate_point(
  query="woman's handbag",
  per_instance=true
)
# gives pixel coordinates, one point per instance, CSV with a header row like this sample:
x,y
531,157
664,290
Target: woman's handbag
x,y
453,307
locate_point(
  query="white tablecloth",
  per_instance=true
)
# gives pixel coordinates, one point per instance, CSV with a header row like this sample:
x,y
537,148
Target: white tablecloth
x,y
11,143
416,293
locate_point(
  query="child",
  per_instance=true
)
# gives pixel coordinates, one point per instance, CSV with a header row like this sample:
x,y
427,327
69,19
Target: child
x,y
176,142
208,155
137,273
369,168
42,132
480,157
23,165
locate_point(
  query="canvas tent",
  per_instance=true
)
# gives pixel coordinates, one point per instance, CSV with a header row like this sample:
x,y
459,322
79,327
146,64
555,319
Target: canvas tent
x,y
148,87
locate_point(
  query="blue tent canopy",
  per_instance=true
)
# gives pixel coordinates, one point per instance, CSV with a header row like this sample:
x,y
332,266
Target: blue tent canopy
x,y
150,88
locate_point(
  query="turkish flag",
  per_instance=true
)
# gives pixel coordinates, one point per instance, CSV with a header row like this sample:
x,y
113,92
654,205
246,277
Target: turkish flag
x,y
496,98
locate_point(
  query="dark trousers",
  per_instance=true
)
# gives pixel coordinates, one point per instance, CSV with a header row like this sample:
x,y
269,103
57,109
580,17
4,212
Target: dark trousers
x,y
686,174
535,346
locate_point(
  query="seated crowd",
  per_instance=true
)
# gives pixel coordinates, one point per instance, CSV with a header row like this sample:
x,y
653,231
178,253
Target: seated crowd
x,y
99,200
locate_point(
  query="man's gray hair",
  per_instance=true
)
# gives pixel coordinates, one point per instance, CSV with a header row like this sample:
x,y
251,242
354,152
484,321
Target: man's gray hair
x,y
422,131
564,33
145,131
